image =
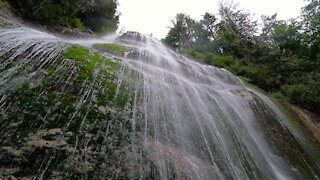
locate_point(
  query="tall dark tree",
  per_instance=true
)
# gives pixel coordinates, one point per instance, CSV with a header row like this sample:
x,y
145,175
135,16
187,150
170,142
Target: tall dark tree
x,y
284,58
236,30
208,34
180,35
311,27
100,15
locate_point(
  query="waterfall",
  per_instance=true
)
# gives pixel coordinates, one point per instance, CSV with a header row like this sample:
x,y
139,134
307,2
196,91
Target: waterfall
x,y
82,109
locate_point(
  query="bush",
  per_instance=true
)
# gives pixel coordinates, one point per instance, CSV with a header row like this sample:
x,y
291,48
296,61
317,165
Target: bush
x,y
306,96
95,14
279,95
194,54
223,61
286,78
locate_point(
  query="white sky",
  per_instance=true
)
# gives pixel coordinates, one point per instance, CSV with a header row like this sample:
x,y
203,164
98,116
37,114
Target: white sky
x,y
153,16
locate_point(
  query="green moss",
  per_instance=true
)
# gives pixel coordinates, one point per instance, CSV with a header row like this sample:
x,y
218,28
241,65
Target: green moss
x,y
111,91
71,90
113,67
113,47
300,154
134,76
63,105
77,53
90,61
93,60
55,101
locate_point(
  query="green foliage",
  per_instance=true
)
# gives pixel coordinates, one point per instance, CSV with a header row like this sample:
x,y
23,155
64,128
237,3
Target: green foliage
x,y
197,55
189,33
311,20
98,15
57,14
107,29
181,32
77,53
82,57
89,61
284,59
223,61
76,22
307,96
236,30
113,47
279,95
2,4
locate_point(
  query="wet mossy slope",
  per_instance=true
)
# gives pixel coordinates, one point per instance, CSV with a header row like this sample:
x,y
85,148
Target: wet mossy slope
x,y
70,117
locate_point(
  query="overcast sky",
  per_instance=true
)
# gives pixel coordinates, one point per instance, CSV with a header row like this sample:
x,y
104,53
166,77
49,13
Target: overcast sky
x,y
153,16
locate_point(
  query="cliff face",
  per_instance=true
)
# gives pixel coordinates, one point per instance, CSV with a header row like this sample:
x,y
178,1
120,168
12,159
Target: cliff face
x,y
135,109
61,112
308,122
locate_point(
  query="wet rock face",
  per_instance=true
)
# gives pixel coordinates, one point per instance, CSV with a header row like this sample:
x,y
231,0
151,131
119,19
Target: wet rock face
x,y
133,37
278,134
139,111
64,111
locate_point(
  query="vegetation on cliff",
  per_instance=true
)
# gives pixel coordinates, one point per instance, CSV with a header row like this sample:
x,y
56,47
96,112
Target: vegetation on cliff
x,y
282,58
112,47
98,15
128,111
74,112
66,112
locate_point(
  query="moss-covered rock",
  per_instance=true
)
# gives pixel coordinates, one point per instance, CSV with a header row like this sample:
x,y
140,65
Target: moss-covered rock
x,y
279,135
72,112
113,47
70,118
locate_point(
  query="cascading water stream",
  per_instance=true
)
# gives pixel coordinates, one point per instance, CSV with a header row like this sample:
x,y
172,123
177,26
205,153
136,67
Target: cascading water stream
x,y
166,117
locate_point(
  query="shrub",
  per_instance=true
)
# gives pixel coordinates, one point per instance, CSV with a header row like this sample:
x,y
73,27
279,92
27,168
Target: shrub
x,y
306,96
223,61
279,95
95,14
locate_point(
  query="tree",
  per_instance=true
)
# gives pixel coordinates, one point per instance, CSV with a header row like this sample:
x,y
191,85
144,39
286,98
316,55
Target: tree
x,y
281,35
189,33
311,28
311,20
208,33
94,14
284,58
100,15
181,34
210,24
236,30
